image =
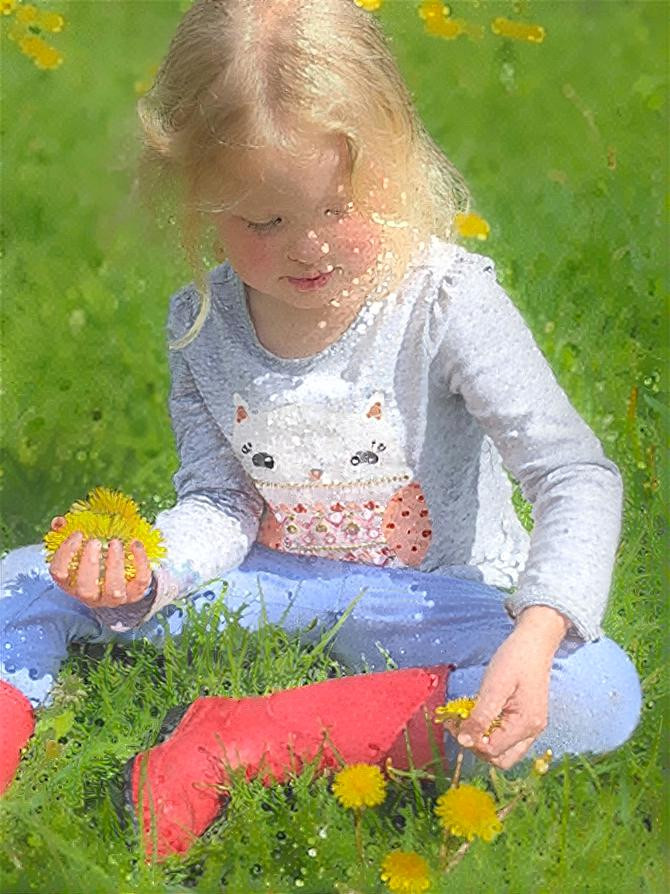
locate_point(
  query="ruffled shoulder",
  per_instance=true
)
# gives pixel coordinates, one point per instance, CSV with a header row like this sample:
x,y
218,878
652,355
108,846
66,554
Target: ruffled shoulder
x,y
464,285
455,264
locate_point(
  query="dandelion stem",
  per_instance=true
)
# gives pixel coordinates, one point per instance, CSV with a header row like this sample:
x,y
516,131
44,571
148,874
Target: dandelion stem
x,y
358,833
443,850
394,773
456,778
458,856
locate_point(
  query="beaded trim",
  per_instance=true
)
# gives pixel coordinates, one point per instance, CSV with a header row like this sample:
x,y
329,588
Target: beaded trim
x,y
342,548
338,484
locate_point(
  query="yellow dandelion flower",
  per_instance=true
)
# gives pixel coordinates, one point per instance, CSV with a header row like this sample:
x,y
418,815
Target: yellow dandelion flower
x,y
457,708
7,7
48,58
106,515
433,9
468,812
541,764
51,21
471,225
369,5
360,785
32,46
518,30
27,13
405,871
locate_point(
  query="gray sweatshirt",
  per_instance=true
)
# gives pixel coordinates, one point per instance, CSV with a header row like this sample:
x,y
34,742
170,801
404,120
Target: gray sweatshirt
x,y
391,446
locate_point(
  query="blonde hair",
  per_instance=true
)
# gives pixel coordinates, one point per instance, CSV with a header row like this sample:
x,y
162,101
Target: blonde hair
x,y
250,73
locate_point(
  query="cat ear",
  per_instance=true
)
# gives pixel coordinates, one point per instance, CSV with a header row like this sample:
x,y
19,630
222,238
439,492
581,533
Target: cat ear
x,y
242,411
375,404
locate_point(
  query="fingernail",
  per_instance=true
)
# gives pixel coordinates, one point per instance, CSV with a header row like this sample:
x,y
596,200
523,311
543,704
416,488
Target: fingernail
x,y
117,594
465,740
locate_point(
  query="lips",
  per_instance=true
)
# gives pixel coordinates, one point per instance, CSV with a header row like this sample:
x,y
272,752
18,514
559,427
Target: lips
x,y
309,278
313,282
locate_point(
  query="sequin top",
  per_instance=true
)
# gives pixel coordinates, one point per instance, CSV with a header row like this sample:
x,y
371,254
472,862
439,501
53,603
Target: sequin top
x,y
390,446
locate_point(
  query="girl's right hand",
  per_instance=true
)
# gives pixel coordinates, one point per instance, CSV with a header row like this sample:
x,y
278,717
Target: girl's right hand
x,y
113,590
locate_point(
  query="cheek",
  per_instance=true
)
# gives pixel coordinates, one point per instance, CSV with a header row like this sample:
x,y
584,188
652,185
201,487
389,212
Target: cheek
x,y
358,239
245,250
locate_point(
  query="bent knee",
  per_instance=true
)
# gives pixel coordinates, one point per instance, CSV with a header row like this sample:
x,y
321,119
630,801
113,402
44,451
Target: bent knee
x,y
595,700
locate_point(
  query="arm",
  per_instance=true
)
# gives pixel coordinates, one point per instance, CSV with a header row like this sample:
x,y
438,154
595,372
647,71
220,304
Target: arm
x,y
217,514
490,358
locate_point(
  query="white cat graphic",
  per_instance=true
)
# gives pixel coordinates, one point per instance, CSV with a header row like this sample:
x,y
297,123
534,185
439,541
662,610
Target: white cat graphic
x,y
335,480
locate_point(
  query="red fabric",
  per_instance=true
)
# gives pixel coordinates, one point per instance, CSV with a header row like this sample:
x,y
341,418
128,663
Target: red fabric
x,y
358,718
17,723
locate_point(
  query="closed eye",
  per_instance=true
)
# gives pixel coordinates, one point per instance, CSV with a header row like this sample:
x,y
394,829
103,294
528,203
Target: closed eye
x,y
263,226
270,224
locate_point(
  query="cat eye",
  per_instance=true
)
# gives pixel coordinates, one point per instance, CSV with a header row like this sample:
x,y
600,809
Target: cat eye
x,y
364,456
263,460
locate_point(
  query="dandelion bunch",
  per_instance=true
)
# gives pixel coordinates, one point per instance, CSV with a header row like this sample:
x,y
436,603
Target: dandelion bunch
x,y
468,812
106,515
405,872
27,31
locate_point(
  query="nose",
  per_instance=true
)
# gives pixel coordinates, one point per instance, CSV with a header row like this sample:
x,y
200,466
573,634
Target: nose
x,y
308,248
315,473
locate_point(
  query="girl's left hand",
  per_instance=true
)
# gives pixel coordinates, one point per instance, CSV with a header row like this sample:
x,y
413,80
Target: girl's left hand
x,y
515,688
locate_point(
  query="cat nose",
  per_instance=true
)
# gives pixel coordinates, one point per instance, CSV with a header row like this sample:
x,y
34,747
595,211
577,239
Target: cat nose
x,y
315,473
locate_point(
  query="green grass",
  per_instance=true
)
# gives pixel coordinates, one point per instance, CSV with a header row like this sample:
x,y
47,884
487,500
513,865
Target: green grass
x,y
578,243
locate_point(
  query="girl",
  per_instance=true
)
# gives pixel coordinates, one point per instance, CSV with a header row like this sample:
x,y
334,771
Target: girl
x,y
348,389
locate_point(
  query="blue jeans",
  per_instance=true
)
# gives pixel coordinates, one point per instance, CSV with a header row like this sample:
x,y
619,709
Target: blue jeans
x,y
418,618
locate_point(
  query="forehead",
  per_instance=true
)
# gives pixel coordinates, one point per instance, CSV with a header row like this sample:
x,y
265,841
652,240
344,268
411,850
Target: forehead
x,y
269,177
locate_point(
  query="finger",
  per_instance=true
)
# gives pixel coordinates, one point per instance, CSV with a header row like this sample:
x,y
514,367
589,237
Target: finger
x,y
88,573
489,707
512,755
60,563
137,587
516,727
58,523
114,589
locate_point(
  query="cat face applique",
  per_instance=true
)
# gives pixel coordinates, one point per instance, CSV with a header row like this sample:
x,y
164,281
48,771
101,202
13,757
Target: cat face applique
x,y
335,480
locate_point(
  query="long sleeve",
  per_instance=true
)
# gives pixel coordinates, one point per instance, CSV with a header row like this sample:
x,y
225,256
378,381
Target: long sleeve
x,y
216,518
488,355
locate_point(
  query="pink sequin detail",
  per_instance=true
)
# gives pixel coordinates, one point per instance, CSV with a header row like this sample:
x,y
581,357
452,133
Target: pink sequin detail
x,y
395,534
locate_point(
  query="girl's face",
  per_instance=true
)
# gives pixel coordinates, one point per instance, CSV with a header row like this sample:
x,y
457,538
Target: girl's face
x,y
296,221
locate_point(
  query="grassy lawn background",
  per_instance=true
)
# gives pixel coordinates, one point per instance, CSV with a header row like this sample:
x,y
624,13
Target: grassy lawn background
x,y
562,144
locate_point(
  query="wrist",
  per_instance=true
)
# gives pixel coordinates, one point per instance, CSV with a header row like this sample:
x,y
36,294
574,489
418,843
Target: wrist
x,y
545,621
